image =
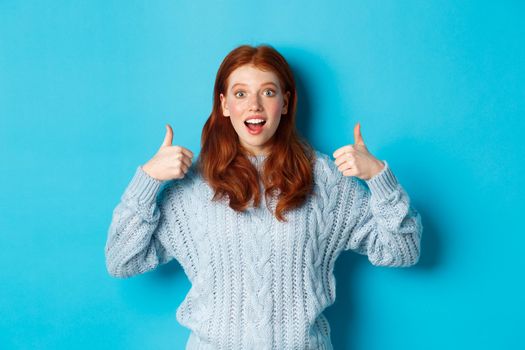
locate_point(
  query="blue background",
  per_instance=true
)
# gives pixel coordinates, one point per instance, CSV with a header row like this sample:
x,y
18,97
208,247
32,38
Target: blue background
x,y
86,89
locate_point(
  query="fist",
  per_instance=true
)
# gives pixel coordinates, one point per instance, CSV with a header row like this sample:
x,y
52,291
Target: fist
x,y
170,162
355,160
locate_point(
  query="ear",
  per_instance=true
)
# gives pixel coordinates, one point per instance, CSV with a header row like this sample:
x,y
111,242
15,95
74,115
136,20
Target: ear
x,y
225,110
285,104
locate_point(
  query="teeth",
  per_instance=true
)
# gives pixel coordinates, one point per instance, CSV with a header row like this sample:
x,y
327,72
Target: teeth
x,y
255,121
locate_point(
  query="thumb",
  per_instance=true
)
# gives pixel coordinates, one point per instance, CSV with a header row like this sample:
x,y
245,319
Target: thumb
x,y
358,138
168,139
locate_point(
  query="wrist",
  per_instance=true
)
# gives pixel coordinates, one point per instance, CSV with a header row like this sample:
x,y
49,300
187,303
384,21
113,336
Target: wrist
x,y
147,169
377,168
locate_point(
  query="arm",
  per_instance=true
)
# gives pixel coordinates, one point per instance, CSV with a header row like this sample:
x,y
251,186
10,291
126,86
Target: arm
x,y
379,221
140,236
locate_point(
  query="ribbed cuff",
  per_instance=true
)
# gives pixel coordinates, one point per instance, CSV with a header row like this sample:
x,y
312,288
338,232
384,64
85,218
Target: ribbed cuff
x,y
384,183
143,186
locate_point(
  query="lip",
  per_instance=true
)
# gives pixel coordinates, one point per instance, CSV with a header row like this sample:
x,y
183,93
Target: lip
x,y
255,117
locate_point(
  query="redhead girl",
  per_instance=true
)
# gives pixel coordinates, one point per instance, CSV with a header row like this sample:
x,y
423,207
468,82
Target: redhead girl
x,y
258,221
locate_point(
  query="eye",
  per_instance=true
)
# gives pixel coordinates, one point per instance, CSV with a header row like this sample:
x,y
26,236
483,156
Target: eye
x,y
236,94
272,92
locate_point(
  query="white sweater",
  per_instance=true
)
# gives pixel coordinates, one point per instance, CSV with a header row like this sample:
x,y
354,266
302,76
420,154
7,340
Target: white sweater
x,y
258,283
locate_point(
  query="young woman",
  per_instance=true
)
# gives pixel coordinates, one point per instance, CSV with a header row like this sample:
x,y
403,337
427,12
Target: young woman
x,y
258,222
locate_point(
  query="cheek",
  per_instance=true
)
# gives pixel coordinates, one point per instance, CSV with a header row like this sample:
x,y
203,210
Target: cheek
x,y
236,115
236,108
275,106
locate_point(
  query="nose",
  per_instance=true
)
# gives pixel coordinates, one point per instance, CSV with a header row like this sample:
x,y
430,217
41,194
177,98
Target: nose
x,y
255,103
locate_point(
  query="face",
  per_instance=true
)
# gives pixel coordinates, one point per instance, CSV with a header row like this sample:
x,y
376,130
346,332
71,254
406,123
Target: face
x,y
253,94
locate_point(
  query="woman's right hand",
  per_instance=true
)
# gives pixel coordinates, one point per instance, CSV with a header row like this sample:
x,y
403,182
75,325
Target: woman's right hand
x,y
170,162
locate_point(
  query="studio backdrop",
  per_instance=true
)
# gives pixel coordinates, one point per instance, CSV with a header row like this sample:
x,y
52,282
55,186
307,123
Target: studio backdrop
x,y
86,89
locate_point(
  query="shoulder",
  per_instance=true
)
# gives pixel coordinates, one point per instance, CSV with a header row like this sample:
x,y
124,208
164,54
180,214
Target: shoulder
x,y
325,168
322,161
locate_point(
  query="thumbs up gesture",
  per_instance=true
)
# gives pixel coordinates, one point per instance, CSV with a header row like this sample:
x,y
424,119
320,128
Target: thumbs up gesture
x,y
170,162
355,160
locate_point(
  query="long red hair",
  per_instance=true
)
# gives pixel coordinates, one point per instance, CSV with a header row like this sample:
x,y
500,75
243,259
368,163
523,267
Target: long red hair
x,y
287,170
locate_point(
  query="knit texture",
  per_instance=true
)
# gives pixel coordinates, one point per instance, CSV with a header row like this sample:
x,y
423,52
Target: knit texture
x,y
257,283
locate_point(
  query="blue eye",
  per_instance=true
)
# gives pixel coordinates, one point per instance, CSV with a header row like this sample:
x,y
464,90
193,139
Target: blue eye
x,y
268,90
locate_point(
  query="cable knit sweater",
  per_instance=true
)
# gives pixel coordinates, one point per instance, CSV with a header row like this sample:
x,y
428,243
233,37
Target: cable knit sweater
x,y
257,283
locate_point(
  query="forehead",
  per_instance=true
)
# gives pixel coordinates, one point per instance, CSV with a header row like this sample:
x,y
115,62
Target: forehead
x,y
251,75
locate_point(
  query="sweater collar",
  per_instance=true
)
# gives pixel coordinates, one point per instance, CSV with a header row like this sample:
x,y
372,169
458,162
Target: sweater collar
x,y
257,160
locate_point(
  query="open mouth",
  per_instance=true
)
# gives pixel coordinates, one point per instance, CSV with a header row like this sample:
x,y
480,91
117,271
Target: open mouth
x,y
255,126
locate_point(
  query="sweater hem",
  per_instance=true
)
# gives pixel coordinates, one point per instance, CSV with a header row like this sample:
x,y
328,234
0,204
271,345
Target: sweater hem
x,y
195,343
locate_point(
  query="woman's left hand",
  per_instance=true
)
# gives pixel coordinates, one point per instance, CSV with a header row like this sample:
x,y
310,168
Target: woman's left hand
x,y
355,160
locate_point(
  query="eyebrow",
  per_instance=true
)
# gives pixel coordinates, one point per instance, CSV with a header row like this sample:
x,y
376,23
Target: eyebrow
x,y
267,83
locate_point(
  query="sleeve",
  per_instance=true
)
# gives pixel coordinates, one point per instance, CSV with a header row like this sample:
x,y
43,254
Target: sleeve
x,y
378,220
140,236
